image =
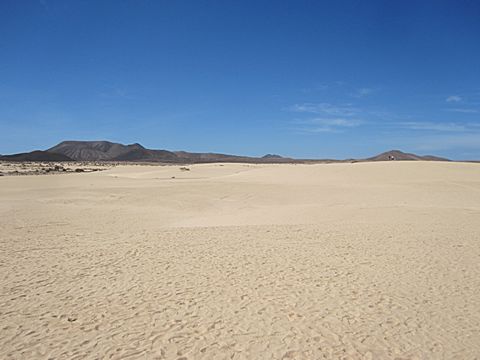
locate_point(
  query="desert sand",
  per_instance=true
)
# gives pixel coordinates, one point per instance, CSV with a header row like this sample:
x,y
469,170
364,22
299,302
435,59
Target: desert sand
x,y
239,261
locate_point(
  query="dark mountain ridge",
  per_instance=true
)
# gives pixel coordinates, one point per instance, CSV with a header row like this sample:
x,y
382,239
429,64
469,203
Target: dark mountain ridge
x,y
110,151
400,155
37,155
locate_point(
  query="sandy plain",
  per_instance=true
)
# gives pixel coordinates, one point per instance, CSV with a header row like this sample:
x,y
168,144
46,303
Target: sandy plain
x,y
240,261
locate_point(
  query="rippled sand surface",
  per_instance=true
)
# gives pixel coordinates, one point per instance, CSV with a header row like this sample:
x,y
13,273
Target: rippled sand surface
x,y
239,261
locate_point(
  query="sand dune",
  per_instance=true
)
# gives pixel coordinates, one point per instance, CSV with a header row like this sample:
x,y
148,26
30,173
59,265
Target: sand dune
x,y
240,261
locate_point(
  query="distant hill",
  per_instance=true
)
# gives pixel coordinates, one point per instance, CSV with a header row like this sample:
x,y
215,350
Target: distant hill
x,y
399,155
36,155
272,156
207,157
110,151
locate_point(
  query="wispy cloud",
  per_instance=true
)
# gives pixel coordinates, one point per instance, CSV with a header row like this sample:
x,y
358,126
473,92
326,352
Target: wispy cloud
x,y
325,108
465,111
335,122
332,117
316,88
444,142
115,92
453,99
317,125
434,126
362,92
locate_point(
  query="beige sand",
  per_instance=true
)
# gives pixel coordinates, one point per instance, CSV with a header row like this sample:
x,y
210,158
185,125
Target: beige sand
x,y
237,261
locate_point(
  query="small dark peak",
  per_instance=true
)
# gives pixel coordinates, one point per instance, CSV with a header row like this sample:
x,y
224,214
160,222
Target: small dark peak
x,y
272,156
136,146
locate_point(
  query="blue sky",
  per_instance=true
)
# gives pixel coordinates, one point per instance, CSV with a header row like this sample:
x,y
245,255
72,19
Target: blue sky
x,y
299,78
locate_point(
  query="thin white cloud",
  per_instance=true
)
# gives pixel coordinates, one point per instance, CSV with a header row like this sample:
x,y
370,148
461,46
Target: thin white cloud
x,y
465,111
315,88
453,99
335,122
317,125
325,108
362,92
434,126
319,129
114,92
443,142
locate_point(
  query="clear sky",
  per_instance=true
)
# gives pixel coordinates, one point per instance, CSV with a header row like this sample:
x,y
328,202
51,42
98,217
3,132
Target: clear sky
x,y
297,78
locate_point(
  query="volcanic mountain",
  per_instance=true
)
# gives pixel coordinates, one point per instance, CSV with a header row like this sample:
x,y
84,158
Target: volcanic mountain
x,y
399,155
37,155
110,151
